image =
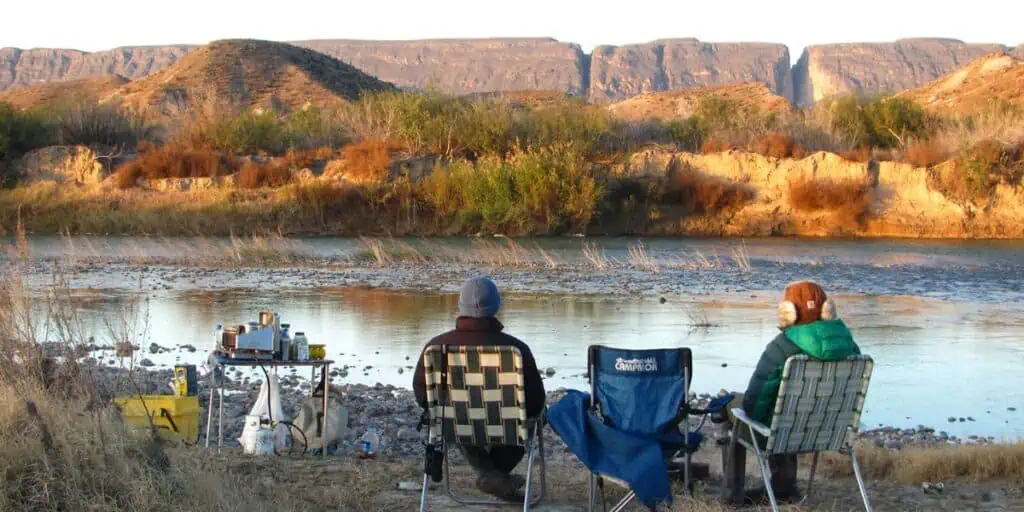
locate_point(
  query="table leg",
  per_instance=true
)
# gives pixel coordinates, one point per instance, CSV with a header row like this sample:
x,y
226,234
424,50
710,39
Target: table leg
x,y
209,414
323,437
220,416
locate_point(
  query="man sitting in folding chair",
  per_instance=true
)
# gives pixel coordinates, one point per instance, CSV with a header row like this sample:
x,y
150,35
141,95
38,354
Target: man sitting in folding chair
x,y
634,422
810,326
479,302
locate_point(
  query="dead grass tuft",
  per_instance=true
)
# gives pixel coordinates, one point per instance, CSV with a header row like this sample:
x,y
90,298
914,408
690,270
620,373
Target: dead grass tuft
x,y
701,194
927,153
715,145
172,161
263,175
777,145
861,154
913,465
369,159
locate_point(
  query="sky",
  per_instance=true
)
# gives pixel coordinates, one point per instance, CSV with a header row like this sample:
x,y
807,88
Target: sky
x,y
101,24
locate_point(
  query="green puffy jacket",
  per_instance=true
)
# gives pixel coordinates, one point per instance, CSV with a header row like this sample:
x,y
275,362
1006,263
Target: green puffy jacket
x,y
827,340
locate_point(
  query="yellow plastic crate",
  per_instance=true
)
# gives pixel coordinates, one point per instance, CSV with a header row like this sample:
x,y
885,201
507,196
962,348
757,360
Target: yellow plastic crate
x,y
175,417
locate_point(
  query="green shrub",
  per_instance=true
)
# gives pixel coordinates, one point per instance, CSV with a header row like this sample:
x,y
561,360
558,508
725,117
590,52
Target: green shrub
x,y
689,133
249,133
550,189
20,132
978,169
880,122
315,127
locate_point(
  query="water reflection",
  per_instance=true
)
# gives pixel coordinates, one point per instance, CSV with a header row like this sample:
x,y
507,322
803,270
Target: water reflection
x,y
934,359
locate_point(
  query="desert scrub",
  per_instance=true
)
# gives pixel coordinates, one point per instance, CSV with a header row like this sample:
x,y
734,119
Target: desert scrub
x,y
977,170
886,122
544,190
20,132
172,161
97,124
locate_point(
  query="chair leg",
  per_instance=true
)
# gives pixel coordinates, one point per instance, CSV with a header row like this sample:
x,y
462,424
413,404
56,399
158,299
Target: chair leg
x,y
767,475
766,472
423,495
531,453
860,479
543,466
810,481
592,493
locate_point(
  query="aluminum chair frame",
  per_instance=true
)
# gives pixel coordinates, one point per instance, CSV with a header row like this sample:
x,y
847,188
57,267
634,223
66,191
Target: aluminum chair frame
x,y
799,365
533,444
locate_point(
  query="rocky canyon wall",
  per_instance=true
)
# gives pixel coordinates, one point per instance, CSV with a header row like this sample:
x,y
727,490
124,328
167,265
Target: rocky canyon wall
x,y
609,73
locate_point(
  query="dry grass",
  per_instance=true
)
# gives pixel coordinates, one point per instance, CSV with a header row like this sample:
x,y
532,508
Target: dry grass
x,y
172,161
715,145
777,145
369,159
62,444
641,259
860,154
913,465
811,195
263,175
700,194
927,153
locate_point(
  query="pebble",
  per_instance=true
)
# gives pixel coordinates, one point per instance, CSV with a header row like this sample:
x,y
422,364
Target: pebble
x,y
146,363
550,372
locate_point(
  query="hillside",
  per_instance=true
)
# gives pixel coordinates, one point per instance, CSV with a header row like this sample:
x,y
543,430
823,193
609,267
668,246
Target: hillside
x,y
53,93
532,99
247,73
664,106
997,77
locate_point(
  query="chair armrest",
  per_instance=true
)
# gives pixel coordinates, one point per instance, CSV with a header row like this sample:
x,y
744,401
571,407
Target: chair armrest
x,y
760,428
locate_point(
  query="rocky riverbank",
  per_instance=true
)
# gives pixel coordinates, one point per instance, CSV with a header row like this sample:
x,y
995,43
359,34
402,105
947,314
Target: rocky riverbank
x,y
396,414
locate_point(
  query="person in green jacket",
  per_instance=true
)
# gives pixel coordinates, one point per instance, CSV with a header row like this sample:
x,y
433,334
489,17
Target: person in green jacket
x,y
809,325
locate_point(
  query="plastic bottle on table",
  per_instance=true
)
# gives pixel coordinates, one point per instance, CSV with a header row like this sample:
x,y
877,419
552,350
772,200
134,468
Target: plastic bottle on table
x,y
369,442
218,337
286,342
301,347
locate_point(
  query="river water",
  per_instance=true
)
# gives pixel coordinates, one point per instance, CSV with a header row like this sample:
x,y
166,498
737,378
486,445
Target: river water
x,y
943,320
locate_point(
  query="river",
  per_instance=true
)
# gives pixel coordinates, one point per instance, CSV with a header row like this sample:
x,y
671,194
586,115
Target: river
x,y
943,320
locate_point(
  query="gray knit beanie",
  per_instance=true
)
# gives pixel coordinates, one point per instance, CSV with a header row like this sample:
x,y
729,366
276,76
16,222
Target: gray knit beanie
x,y
479,298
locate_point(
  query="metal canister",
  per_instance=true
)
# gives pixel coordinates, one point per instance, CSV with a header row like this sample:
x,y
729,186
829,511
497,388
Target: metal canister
x,y
230,338
267,318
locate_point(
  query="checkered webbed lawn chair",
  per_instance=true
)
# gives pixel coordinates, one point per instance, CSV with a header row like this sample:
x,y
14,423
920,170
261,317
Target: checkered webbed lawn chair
x,y
633,395
818,410
477,397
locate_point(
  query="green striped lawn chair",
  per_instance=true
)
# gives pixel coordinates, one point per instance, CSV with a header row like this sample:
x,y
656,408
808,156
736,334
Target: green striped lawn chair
x,y
818,410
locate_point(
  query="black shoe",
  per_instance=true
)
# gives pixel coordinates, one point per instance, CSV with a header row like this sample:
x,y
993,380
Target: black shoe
x,y
502,486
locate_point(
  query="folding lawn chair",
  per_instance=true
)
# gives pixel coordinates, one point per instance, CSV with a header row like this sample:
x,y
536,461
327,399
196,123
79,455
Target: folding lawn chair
x,y
644,393
477,397
818,410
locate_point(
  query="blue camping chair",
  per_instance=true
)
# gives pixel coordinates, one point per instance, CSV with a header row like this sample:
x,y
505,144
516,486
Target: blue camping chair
x,y
635,425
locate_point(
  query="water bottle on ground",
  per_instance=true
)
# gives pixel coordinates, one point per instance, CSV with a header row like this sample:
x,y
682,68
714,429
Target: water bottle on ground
x,y
369,442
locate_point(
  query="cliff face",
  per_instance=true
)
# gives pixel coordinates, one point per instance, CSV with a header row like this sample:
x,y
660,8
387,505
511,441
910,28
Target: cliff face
x,y
828,70
611,73
619,72
465,66
20,68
